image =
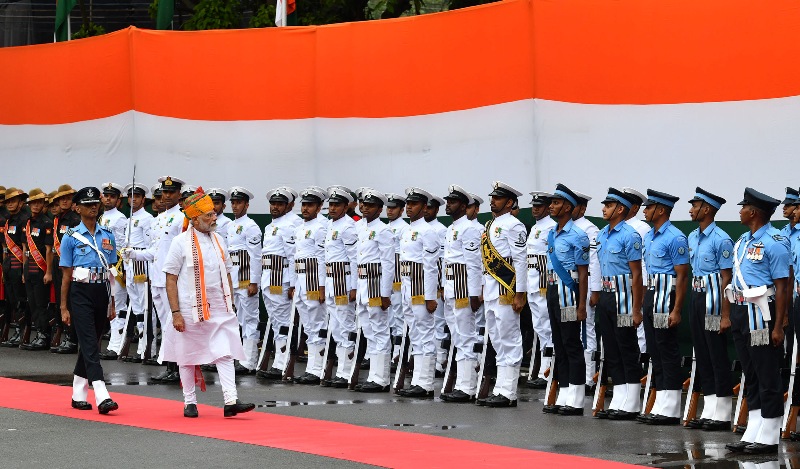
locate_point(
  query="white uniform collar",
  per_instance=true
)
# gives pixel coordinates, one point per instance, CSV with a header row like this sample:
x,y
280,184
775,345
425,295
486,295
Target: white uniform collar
x,y
241,218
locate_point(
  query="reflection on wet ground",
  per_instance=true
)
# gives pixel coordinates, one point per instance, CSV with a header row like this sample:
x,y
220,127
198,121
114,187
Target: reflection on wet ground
x,y
716,456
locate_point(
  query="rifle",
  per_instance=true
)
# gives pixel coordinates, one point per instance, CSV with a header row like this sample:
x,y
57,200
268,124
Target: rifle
x,y
487,368
740,415
551,390
360,351
266,348
403,358
692,387
790,407
149,327
534,352
55,325
24,321
449,375
649,390
599,400
327,357
288,370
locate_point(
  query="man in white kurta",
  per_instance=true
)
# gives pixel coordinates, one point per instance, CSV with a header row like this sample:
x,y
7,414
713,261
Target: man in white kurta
x,y
205,327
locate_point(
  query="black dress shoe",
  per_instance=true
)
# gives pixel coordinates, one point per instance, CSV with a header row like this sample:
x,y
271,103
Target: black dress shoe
x,y
551,409
716,425
601,414
325,383
416,392
738,447
81,405
567,410
190,410
240,369
644,418
370,386
272,373
794,436
67,348
136,358
107,406
209,367
108,355
39,343
457,396
538,383
307,378
151,362
238,408
696,423
161,376
662,420
622,415
173,377
759,448
500,401
589,391
340,383
13,341
482,400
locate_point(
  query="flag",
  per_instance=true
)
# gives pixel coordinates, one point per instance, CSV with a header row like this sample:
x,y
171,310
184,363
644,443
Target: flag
x,y
283,9
63,9
166,10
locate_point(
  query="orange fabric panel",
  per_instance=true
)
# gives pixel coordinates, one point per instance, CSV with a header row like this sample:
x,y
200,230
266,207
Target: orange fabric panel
x,y
66,82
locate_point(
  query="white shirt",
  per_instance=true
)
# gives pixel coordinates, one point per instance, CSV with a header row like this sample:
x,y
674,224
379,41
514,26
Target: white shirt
x,y
279,240
463,246
537,245
222,226
164,228
116,222
245,235
376,245
341,242
139,236
398,227
591,230
310,243
642,228
509,237
420,244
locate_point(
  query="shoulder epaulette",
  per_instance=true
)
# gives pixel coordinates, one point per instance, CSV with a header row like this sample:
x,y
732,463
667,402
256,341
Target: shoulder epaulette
x,y
69,232
777,237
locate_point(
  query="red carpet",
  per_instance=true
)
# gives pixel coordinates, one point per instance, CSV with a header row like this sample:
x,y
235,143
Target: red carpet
x,y
380,447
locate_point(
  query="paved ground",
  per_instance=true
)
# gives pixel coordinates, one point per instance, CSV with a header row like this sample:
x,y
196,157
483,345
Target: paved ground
x,y
35,440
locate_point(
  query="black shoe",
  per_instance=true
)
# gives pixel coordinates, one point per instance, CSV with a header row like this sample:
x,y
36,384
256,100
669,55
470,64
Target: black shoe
x,y
81,405
307,378
238,408
136,358
326,383
644,418
482,401
240,369
567,410
622,415
551,409
457,396
158,378
190,410
738,447
151,362
340,383
107,406
272,373
758,448
41,342
416,392
67,348
108,355
500,401
210,367
601,414
538,383
794,436
716,425
662,420
173,377
696,423
13,341
370,386
589,390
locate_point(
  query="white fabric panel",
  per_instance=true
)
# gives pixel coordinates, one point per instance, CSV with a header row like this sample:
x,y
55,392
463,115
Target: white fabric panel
x,y
530,144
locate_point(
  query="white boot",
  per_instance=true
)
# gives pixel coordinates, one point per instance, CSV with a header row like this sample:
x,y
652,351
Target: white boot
x,y
280,356
507,381
117,333
467,376
753,426
658,404
80,389
561,396
546,363
345,362
576,396
671,404
619,396
723,409
246,345
770,431
633,398
590,367
709,406
424,370
100,391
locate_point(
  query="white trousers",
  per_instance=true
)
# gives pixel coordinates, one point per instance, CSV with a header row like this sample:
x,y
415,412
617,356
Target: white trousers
x,y
421,324
161,304
503,326
396,309
227,378
246,312
463,332
278,307
341,322
375,327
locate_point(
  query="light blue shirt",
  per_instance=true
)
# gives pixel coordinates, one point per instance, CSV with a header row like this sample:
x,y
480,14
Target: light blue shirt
x,y
788,231
616,248
571,247
664,249
77,254
795,246
771,255
710,250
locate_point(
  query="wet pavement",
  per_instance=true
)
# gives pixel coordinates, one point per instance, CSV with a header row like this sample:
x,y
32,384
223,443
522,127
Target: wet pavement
x,y
523,427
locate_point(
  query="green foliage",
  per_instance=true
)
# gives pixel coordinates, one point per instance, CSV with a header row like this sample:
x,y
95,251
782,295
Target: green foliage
x,y
215,14
88,30
152,10
264,17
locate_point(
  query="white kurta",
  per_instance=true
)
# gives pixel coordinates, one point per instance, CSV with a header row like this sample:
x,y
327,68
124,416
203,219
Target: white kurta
x,y
207,341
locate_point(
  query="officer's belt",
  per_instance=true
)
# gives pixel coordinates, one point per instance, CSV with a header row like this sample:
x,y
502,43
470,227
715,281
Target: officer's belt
x,y
241,258
309,267
338,273
415,272
275,264
89,275
740,300
371,272
457,273
139,269
396,281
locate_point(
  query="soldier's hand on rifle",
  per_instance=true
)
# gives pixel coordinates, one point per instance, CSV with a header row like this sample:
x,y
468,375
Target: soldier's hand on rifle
x,y
321,295
674,317
177,321
385,302
724,325
475,303
352,296
252,290
430,305
290,293
777,336
519,302
65,317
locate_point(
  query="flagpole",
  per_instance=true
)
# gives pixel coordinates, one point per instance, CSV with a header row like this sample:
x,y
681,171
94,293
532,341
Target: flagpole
x,y
69,27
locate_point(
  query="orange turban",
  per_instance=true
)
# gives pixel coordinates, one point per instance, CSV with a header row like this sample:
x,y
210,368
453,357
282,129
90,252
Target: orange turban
x,y
197,204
